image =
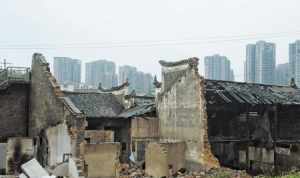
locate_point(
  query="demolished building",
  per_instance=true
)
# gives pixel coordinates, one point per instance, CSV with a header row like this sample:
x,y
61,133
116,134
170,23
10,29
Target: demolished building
x,y
238,125
41,121
35,116
205,123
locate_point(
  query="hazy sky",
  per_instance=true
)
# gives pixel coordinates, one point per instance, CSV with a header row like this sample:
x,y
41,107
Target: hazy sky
x,y
141,32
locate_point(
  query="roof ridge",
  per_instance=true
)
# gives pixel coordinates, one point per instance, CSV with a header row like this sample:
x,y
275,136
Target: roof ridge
x,y
191,61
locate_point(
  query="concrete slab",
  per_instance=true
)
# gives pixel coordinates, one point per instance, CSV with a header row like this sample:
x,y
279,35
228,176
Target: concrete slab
x,y
59,143
22,176
33,169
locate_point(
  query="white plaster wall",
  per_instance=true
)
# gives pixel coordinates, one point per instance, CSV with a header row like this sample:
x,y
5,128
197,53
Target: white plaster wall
x,y
73,171
59,143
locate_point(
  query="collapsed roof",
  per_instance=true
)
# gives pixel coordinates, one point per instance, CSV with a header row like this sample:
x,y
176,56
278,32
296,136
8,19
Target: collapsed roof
x,y
227,92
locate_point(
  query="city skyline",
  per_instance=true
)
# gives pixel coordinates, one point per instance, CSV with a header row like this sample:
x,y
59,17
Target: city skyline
x,y
68,73
202,66
114,36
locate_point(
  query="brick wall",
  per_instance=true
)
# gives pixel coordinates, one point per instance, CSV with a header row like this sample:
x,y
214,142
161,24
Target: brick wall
x,y
48,108
14,110
182,113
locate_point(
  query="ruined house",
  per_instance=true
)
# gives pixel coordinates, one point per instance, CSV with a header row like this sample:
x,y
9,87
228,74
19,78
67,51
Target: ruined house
x,y
253,126
102,114
238,125
35,116
144,123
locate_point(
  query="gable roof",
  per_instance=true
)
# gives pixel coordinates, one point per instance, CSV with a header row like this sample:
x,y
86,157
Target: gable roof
x,y
96,105
222,92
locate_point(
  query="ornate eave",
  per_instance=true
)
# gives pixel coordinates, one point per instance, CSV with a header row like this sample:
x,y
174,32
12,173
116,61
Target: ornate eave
x,y
191,61
116,88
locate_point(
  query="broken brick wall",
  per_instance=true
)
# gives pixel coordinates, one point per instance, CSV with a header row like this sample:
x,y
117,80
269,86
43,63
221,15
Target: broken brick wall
x,y
14,110
144,127
49,109
121,129
104,154
163,157
99,136
143,131
182,113
46,109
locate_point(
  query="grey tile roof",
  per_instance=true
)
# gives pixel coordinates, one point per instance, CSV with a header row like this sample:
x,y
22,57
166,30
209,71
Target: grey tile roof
x,y
222,92
71,105
138,110
96,105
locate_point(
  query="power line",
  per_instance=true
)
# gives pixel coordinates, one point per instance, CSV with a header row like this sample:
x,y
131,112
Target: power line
x,y
211,40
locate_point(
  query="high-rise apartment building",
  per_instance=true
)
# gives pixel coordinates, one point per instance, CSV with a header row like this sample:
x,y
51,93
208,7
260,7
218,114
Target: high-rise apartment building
x,y
260,63
294,61
282,74
217,68
101,71
265,62
250,63
67,70
141,82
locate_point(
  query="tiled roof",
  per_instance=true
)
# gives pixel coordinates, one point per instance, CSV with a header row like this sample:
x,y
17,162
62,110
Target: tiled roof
x,y
96,105
138,110
222,92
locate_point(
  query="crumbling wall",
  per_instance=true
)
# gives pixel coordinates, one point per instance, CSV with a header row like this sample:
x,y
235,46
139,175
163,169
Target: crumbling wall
x,y
14,110
60,143
164,158
143,131
182,114
49,108
46,109
104,154
120,127
99,136
144,127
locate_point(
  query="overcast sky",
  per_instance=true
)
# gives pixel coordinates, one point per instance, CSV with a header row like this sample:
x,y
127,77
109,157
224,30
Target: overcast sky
x,y
141,32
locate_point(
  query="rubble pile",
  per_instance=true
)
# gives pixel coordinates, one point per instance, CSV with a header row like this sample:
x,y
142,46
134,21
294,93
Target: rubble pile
x,y
138,172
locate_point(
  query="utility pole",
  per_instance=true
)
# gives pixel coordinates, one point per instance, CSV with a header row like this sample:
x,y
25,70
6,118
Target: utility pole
x,y
4,63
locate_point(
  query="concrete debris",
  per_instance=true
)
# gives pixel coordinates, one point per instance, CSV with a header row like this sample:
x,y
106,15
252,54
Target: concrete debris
x,y
138,172
22,176
33,169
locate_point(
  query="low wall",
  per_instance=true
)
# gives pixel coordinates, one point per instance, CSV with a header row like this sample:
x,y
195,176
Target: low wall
x,y
102,159
163,157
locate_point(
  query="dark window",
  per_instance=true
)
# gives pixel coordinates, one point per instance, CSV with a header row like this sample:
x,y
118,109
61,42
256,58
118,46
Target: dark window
x,y
88,140
133,147
124,146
